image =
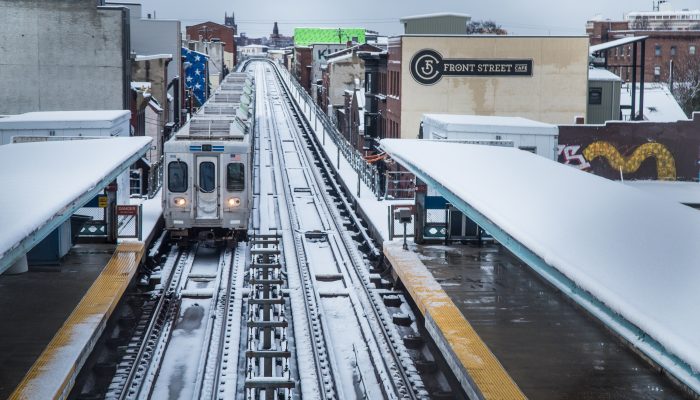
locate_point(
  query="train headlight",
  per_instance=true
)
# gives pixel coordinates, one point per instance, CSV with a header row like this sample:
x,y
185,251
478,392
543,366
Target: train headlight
x,y
180,201
234,202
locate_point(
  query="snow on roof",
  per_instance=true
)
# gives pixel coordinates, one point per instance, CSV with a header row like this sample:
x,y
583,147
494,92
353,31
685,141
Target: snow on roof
x,y
434,15
254,46
490,124
153,57
681,192
67,119
615,43
606,247
602,74
659,103
43,180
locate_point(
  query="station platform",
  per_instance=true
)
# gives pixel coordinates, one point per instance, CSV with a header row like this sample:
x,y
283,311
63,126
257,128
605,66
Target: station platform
x,y
476,368
507,327
49,374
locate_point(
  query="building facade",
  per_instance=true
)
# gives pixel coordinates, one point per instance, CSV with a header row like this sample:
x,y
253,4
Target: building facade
x,y
544,78
213,32
672,45
50,65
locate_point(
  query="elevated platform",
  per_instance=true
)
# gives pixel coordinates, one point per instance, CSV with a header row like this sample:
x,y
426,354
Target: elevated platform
x,y
477,369
550,347
53,373
626,257
44,183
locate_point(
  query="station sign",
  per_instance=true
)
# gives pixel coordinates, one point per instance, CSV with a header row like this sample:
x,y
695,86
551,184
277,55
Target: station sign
x,y
127,210
428,67
98,201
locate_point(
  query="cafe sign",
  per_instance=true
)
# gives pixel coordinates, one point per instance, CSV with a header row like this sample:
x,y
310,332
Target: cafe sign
x,y
428,67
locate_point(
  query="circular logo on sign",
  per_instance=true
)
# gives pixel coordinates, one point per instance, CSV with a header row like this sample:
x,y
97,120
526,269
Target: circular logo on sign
x,y
426,67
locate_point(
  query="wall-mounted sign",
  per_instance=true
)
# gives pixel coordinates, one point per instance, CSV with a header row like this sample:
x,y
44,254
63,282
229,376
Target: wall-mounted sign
x,y
428,67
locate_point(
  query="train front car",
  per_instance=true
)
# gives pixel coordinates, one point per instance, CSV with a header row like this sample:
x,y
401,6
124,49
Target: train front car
x,y
208,175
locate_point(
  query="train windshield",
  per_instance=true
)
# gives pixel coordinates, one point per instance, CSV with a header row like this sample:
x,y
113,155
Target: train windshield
x,y
177,177
207,177
235,177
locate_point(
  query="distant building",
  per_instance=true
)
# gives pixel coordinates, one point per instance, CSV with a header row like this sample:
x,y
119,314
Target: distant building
x,y
213,32
302,64
673,40
438,23
53,65
217,68
254,50
279,41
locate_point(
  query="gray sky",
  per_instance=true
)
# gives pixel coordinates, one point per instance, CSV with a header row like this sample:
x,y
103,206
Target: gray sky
x,y
536,17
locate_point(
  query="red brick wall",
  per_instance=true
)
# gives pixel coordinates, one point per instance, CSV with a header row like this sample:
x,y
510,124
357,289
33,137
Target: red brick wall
x,y
213,30
302,66
604,31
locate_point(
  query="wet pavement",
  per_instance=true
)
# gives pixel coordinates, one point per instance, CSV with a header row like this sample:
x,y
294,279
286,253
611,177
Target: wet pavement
x,y
34,305
550,347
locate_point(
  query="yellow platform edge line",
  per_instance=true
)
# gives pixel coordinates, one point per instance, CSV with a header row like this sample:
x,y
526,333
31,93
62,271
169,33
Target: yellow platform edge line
x,y
98,303
463,349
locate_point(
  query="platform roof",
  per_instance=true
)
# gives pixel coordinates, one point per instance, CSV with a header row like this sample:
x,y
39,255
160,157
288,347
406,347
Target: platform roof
x,y
44,183
64,119
615,43
629,258
490,124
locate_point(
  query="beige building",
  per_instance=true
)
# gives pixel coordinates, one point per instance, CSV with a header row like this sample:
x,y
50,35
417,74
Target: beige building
x,y
541,78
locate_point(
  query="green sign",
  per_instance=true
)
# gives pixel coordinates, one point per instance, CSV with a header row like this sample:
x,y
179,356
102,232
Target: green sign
x,y
309,36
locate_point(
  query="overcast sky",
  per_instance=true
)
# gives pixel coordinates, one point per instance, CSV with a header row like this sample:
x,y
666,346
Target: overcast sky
x,y
534,17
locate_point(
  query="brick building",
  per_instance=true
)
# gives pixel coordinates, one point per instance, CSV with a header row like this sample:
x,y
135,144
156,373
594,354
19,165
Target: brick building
x,y
211,31
673,42
303,59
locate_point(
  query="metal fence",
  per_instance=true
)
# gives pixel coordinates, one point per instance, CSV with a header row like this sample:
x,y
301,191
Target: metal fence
x,y
399,185
129,221
368,173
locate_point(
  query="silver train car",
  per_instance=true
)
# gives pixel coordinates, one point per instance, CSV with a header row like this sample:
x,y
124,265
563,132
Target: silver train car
x,y
207,183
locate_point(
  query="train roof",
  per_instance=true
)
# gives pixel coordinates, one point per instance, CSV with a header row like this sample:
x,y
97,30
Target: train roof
x,y
223,128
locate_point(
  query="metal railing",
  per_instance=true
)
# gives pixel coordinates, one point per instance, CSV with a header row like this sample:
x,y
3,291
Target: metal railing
x,y
368,173
155,178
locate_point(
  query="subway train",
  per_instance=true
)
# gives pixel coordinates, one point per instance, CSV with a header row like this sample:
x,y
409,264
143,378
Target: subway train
x,y
207,177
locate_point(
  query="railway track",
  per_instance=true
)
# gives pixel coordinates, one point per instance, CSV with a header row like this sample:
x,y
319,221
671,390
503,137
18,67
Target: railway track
x,y
293,313
362,354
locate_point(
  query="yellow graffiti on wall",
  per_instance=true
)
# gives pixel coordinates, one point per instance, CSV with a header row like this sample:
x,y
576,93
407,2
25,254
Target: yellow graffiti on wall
x,y
665,163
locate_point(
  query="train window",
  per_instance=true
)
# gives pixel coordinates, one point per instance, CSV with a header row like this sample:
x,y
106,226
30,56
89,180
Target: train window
x,y
235,177
207,177
177,177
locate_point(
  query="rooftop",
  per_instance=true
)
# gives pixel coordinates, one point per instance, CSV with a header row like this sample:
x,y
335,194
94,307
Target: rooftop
x,y
435,15
50,117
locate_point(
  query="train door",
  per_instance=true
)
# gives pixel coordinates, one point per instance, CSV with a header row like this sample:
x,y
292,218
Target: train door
x,y
207,188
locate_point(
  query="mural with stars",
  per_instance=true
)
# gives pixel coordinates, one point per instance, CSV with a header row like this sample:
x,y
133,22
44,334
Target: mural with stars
x,y
196,75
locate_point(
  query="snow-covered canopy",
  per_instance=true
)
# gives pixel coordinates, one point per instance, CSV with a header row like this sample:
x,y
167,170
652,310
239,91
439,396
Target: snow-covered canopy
x,y
636,253
43,182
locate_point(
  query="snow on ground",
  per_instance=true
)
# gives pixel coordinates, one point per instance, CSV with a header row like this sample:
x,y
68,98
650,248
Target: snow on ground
x,y
40,180
636,253
377,210
151,212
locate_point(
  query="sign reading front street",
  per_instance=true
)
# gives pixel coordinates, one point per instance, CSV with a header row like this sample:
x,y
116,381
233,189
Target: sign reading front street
x,y
428,67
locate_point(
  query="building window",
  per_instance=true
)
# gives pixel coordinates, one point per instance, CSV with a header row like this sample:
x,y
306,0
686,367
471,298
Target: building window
x,y
177,177
673,51
657,74
657,50
531,149
235,177
691,50
595,95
